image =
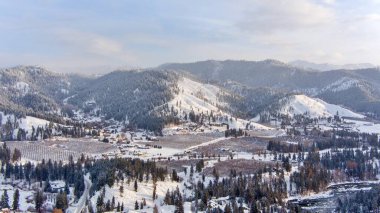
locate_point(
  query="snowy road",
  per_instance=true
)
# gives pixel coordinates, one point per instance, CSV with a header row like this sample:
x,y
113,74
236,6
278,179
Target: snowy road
x,y
207,143
82,201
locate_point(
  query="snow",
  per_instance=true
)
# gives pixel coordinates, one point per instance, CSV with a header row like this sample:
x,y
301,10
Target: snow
x,y
24,123
341,84
195,96
151,152
67,99
23,205
144,191
301,104
199,97
207,143
365,126
28,122
64,91
22,87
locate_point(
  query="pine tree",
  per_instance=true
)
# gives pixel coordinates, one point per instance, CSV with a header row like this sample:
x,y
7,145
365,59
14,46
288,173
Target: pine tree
x,y
67,190
175,176
38,200
121,189
16,199
108,205
99,203
179,205
113,203
154,191
135,186
4,200
136,205
47,186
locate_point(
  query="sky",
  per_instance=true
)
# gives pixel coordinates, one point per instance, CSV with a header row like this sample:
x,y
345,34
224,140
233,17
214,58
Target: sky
x,y
99,36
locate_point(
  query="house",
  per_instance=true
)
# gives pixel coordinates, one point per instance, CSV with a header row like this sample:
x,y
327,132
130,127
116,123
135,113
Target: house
x,y
57,186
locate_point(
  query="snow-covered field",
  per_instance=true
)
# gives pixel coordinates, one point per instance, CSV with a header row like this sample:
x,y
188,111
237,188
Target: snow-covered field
x,y
365,126
57,150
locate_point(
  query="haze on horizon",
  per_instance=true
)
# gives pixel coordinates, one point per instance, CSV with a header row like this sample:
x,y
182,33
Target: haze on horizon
x,y
99,36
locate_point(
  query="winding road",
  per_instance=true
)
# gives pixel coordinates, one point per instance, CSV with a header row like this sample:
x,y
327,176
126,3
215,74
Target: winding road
x,y
81,204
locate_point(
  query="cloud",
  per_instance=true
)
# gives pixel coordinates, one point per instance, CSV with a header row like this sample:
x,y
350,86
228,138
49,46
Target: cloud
x,y
370,17
70,38
90,42
284,15
329,2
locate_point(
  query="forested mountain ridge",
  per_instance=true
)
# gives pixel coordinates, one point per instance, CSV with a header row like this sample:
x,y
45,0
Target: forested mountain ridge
x,y
358,89
129,95
121,95
327,67
30,89
144,98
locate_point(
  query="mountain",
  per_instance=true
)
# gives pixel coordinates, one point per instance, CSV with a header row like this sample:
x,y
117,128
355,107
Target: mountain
x,y
327,67
129,95
302,104
358,89
27,89
120,95
196,96
209,102
152,98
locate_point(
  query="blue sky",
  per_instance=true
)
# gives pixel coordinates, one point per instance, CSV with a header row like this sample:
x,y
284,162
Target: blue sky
x,y
99,36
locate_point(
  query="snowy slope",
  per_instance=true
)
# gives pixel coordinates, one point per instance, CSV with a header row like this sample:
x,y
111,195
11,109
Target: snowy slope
x,y
195,96
300,104
200,98
24,123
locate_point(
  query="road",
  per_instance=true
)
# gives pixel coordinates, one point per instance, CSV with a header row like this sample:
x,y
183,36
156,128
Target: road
x,y
81,204
207,143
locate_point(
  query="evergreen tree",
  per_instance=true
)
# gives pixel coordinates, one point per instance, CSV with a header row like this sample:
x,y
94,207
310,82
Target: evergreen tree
x,y
67,190
136,205
121,190
108,205
38,200
47,186
135,186
99,203
113,203
4,200
154,191
16,199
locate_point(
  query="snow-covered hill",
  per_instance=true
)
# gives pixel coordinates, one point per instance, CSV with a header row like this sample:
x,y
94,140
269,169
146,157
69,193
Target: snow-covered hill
x,y
301,104
203,98
195,96
26,123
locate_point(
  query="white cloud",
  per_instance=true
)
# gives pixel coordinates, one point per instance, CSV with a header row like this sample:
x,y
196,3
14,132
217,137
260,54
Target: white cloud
x,y
90,42
370,17
285,15
329,2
